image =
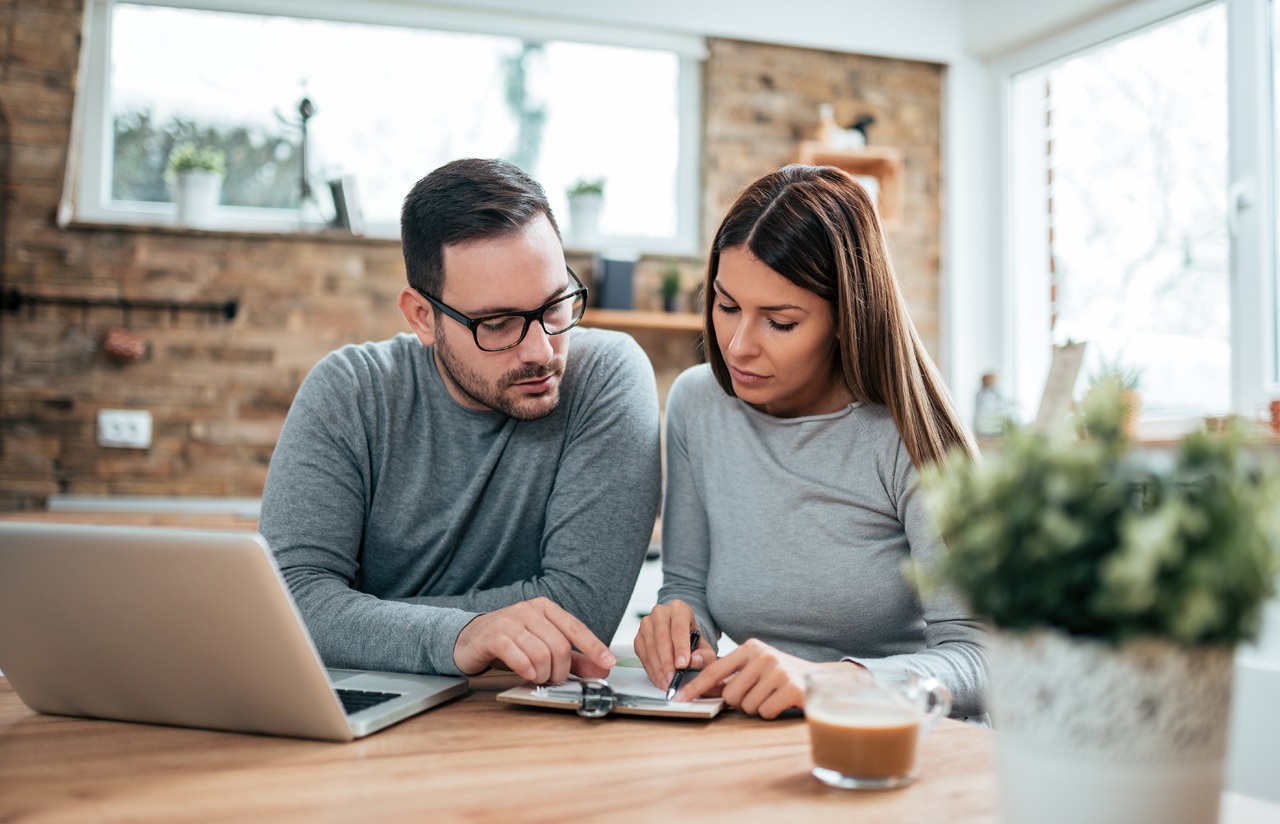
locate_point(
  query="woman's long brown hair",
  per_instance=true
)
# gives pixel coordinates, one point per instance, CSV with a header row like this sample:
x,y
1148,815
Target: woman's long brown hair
x,y
817,227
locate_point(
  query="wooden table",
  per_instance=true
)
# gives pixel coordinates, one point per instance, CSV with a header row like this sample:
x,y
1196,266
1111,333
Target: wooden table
x,y
478,760
474,760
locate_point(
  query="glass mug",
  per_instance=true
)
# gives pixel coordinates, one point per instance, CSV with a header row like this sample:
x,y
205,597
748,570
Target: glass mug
x,y
865,732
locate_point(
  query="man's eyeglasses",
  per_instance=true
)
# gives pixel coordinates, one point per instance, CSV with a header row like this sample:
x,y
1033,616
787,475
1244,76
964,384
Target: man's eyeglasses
x,y
493,333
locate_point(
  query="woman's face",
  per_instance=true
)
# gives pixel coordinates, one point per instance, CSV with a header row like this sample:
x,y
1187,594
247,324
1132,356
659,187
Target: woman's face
x,y
777,339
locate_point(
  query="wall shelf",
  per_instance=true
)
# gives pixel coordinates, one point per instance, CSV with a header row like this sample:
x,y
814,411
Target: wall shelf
x,y
625,320
881,162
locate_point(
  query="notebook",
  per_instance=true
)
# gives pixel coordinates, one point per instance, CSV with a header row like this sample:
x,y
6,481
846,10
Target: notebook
x,y
631,694
184,627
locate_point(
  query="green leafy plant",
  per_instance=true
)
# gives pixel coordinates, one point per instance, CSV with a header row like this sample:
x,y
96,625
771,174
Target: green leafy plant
x,y
586,186
1114,370
671,281
1093,538
188,157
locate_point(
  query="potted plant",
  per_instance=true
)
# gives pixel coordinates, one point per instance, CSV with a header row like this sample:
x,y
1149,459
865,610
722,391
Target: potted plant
x,y
196,174
671,287
586,198
1119,585
1129,381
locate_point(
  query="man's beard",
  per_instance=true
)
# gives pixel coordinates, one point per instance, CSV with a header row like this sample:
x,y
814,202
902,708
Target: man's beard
x,y
517,404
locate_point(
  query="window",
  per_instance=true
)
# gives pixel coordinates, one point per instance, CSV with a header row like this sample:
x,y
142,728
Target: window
x,y
1121,219
395,91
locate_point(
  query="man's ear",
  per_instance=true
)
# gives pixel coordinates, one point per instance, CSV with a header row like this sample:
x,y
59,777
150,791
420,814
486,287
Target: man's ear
x,y
420,314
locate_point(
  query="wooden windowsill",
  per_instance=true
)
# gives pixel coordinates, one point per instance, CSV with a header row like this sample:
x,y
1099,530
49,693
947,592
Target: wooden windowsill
x,y
626,319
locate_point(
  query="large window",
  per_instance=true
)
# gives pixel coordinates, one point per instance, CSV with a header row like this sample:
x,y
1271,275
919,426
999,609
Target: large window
x,y
394,91
1123,243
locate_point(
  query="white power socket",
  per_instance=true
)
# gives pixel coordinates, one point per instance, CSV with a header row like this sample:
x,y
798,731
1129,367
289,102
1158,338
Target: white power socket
x,y
125,428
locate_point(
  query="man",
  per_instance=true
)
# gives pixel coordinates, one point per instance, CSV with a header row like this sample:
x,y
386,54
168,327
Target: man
x,y
477,492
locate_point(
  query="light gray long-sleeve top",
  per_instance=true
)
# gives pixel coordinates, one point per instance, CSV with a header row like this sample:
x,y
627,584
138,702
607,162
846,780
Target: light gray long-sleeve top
x,y
397,515
796,531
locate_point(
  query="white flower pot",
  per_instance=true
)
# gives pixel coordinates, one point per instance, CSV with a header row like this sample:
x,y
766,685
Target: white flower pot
x,y
584,220
196,192
1088,732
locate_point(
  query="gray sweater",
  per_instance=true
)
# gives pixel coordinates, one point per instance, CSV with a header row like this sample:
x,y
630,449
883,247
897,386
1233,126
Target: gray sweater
x,y
397,515
796,531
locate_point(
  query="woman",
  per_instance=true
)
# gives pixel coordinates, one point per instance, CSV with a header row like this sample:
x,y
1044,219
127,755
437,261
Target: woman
x,y
791,506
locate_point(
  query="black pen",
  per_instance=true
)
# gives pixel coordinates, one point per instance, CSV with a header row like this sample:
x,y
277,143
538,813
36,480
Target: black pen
x,y
679,676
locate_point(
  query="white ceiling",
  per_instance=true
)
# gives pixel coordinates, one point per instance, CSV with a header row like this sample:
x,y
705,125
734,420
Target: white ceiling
x,y
932,30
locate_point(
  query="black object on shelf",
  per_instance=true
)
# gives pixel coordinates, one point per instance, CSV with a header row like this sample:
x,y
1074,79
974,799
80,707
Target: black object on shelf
x,y
614,288
14,300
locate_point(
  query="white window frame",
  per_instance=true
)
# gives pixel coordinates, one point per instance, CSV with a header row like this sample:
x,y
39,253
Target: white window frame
x,y
1251,142
87,200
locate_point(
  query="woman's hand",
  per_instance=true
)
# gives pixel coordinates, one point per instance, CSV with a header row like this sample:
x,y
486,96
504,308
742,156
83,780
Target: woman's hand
x,y
662,643
757,679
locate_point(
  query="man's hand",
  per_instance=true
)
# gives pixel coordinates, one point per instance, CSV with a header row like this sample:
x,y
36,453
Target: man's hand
x,y
537,640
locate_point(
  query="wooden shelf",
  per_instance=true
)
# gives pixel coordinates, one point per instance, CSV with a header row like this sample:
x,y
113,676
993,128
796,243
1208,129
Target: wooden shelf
x,y
881,162
625,320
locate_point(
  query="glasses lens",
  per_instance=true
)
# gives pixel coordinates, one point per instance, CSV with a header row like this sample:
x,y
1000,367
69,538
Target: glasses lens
x,y
505,331
500,332
563,314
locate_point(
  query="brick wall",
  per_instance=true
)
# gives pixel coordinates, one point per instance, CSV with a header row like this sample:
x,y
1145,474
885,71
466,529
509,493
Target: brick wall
x,y
218,390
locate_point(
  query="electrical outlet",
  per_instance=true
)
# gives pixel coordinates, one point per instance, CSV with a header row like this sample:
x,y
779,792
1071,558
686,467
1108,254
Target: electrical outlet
x,y
124,428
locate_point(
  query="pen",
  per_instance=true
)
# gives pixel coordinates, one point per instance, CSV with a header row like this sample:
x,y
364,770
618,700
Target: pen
x,y
679,676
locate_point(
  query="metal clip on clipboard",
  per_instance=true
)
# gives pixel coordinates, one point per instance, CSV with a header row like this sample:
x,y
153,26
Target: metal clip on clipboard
x,y
599,699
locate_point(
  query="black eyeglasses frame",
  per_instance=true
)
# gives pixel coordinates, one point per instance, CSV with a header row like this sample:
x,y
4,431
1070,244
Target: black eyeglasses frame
x,y
473,324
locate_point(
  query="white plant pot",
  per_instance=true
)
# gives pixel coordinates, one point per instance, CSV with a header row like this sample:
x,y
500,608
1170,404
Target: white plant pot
x,y
196,192
584,220
1088,732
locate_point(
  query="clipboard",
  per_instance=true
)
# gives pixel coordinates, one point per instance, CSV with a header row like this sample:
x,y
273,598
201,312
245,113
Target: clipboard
x,y
626,691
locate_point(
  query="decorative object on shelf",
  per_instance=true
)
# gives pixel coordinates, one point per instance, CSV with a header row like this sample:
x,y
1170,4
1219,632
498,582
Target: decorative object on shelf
x,y
309,213
832,135
346,206
1119,587
878,168
196,177
586,199
989,410
671,286
614,285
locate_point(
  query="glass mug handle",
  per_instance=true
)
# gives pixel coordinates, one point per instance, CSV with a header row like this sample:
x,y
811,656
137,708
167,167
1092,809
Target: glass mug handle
x,y
937,701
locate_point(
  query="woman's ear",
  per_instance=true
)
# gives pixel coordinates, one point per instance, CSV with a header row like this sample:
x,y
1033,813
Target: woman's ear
x,y
419,313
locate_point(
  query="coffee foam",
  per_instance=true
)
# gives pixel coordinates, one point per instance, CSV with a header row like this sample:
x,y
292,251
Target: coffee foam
x,y
866,715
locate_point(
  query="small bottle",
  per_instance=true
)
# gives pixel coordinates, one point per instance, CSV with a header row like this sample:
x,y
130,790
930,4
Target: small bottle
x,y
827,126
988,409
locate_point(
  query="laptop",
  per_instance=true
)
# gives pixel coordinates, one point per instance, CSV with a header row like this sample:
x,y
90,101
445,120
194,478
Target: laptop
x,y
185,627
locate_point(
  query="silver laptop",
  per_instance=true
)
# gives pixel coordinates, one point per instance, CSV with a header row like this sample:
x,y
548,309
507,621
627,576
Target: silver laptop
x,y
187,627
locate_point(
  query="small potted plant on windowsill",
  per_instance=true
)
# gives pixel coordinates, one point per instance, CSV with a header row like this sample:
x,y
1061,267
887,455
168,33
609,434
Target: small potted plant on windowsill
x,y
1128,379
671,287
586,199
196,175
1118,585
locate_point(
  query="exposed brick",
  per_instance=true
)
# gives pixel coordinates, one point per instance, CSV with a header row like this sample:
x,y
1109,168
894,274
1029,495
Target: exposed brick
x,y
218,391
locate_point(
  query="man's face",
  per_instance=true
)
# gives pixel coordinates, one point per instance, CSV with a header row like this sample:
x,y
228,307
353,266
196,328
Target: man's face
x,y
518,273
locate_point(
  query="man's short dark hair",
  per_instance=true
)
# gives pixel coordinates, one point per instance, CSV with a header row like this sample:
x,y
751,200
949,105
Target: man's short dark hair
x,y
464,200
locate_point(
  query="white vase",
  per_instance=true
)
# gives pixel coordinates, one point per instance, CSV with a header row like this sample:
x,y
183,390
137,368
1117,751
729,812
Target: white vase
x,y
584,220
1089,732
196,193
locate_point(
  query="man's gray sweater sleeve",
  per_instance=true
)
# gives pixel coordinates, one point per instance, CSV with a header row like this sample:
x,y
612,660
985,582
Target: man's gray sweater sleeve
x,y
314,509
